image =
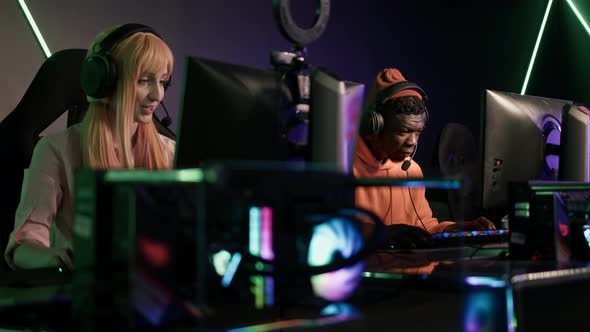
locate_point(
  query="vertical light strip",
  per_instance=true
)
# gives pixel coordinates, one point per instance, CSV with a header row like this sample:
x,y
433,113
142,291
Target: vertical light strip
x,y
537,43
33,26
266,249
258,291
254,231
510,314
269,291
573,7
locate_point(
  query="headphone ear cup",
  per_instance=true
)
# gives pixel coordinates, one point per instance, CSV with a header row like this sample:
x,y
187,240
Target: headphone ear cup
x,y
371,123
378,122
98,76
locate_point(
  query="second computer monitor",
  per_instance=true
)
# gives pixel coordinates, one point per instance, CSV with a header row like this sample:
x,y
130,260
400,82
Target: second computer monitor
x,y
521,136
336,107
231,112
239,113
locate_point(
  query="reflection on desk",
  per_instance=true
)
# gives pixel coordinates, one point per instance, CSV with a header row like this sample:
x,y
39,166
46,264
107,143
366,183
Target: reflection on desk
x,y
425,261
482,286
465,289
35,308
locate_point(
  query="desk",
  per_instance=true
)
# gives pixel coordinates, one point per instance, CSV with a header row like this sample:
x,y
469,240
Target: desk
x,y
481,292
35,308
428,290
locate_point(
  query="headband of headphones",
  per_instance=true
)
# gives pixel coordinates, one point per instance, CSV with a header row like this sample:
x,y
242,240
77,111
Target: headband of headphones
x,y
382,97
121,33
99,71
372,121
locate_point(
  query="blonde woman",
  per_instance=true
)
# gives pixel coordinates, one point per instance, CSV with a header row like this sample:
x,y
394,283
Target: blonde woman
x,y
125,74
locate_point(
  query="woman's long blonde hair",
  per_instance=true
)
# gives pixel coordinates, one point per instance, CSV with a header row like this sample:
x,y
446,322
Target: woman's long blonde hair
x,y
141,52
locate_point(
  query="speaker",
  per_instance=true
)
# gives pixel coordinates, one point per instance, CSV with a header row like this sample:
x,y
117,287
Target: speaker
x,y
372,121
99,71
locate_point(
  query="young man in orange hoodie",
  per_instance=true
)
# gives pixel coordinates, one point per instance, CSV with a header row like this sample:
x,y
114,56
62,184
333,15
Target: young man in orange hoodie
x,y
390,130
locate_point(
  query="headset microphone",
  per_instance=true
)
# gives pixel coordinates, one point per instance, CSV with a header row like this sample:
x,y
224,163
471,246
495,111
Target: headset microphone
x,y
406,164
166,121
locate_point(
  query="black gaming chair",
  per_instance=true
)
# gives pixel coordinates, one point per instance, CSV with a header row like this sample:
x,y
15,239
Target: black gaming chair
x,y
54,90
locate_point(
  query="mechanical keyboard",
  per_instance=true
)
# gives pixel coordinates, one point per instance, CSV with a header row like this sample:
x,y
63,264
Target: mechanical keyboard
x,y
470,238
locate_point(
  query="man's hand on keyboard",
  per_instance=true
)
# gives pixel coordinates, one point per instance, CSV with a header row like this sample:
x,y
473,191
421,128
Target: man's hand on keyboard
x,y
479,223
401,236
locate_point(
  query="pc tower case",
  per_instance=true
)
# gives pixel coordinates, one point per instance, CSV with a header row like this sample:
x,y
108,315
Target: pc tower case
x,y
154,249
549,220
139,249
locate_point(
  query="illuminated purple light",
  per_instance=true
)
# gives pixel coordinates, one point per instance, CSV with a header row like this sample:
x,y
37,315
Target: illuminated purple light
x,y
266,245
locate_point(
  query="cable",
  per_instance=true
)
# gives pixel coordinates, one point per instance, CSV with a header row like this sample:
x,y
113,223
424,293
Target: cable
x,y
415,149
411,199
166,121
390,198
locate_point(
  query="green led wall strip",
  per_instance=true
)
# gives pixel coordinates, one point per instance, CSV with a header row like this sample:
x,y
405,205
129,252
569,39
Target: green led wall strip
x,y
33,25
537,43
575,10
540,36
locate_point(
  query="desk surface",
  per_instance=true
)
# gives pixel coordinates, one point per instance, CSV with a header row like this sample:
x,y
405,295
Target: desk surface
x,y
423,290
489,261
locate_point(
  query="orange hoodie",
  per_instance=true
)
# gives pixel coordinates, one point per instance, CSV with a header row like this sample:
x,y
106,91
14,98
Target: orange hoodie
x,y
392,204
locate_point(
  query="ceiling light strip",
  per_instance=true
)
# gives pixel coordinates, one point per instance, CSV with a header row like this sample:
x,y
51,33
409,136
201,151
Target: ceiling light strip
x,y
575,9
34,27
537,43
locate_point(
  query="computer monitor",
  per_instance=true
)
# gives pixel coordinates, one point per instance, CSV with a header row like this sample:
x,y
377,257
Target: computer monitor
x,y
231,112
575,142
238,113
334,118
520,141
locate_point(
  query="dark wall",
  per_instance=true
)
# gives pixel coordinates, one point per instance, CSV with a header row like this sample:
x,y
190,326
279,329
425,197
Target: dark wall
x,y
452,48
